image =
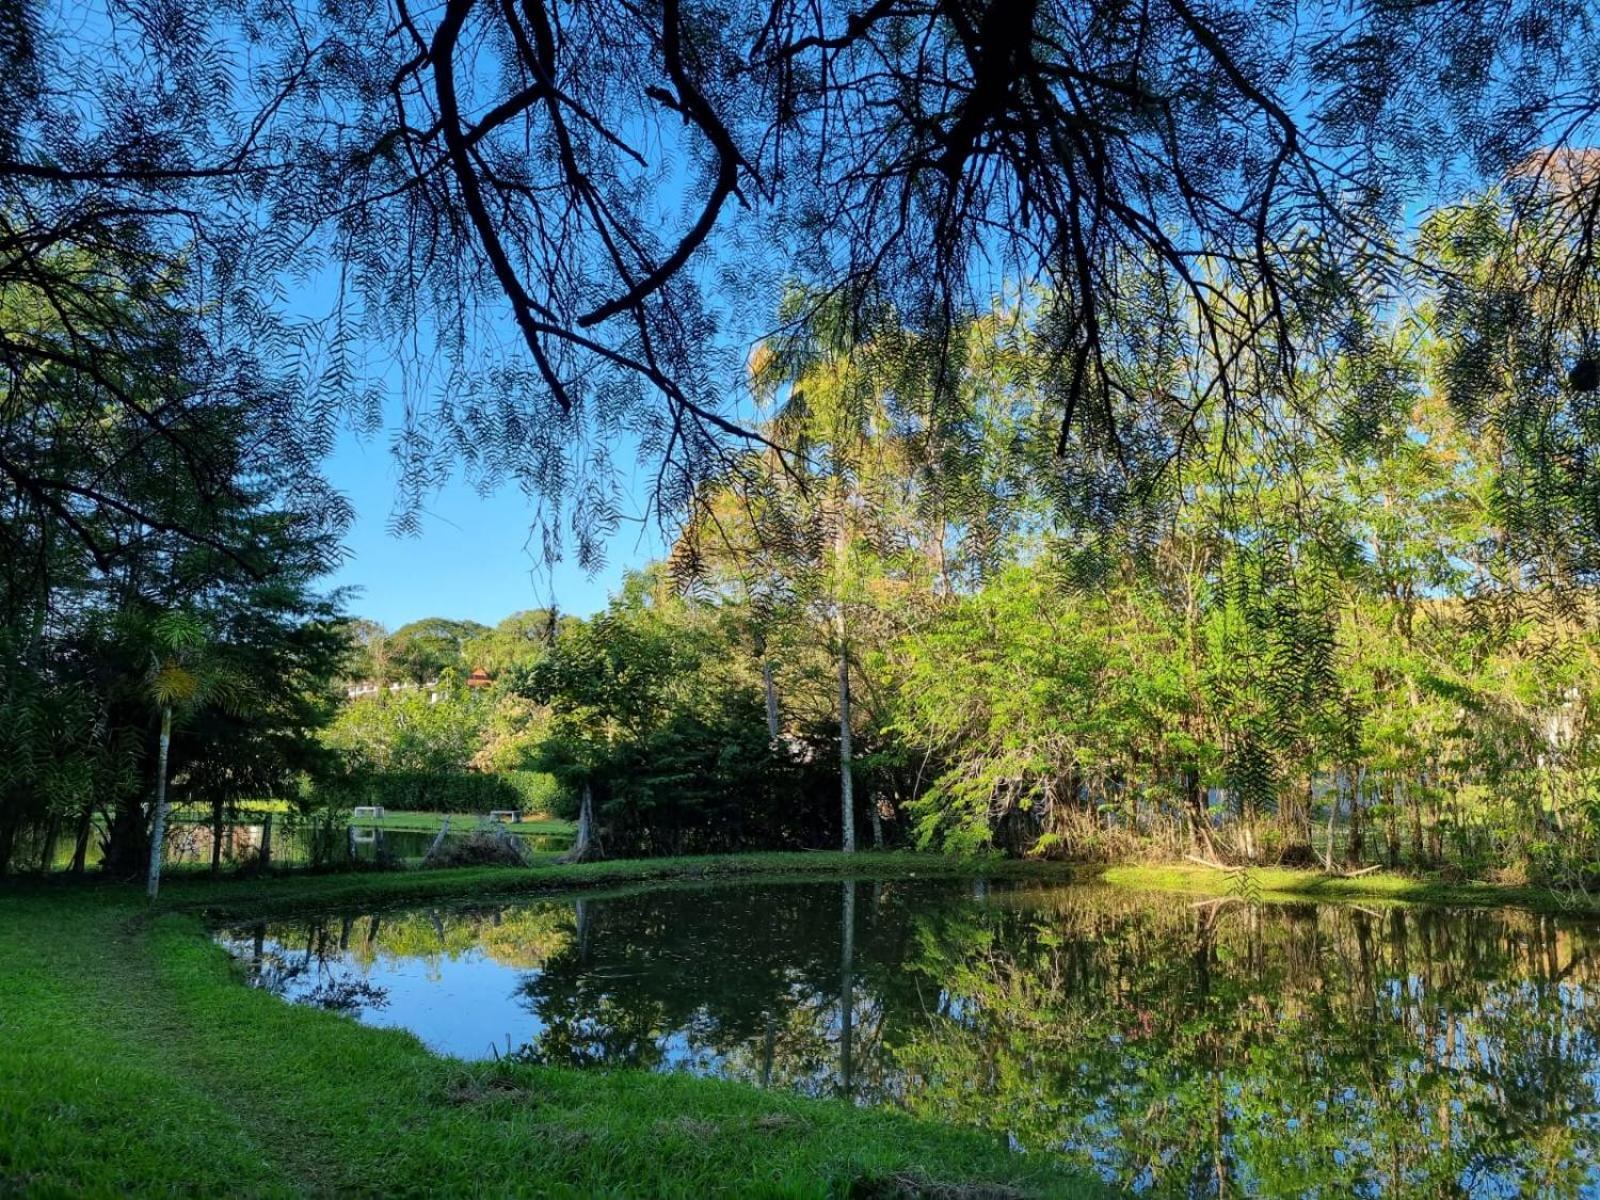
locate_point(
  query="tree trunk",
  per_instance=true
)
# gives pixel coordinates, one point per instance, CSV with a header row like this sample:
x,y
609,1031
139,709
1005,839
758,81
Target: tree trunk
x,y
1199,816
47,856
770,685
8,840
1435,830
587,844
1294,820
1333,815
847,790
1355,851
80,847
1413,797
158,829
841,560
1391,825
1247,828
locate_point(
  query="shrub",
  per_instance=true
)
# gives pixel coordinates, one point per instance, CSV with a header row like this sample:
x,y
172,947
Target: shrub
x,y
481,848
539,790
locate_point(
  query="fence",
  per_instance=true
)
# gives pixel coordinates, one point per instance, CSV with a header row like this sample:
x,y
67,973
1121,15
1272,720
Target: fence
x,y
281,839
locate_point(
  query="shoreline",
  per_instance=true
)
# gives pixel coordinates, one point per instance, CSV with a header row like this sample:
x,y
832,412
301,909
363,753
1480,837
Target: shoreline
x,y
234,898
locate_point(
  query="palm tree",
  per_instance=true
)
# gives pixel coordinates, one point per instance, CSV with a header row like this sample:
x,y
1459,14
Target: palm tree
x,y
184,676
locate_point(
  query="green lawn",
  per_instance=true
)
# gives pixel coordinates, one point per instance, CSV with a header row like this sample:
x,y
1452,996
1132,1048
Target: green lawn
x,y
429,822
134,1062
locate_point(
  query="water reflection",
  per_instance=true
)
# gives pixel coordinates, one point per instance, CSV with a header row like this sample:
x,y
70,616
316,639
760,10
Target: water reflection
x,y
1181,1050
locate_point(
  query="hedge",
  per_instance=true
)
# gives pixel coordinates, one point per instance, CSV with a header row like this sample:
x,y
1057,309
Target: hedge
x,y
464,792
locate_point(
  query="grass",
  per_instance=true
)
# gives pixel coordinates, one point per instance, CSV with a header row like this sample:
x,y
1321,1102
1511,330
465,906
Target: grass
x,y
133,1062
1283,884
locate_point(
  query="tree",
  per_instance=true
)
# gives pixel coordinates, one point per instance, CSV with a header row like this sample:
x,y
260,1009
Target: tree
x,y
514,642
656,726
368,659
106,527
183,677
476,161
604,682
897,149
420,651
287,642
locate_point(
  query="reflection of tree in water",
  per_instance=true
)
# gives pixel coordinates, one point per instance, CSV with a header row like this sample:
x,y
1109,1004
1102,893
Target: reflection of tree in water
x,y
305,962
346,994
326,960
1206,1050
1183,1050
743,982
1290,1052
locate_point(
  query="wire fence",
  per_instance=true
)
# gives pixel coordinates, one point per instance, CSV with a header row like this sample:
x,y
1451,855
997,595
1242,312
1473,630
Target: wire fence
x,y
283,839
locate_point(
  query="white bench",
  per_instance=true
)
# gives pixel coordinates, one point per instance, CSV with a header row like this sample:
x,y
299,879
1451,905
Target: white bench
x,y
514,815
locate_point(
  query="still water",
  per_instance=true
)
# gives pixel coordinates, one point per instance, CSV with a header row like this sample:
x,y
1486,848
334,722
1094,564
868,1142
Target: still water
x,y
1178,1049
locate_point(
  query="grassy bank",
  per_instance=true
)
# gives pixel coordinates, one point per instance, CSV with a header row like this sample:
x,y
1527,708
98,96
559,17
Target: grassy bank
x,y
1282,884
133,1062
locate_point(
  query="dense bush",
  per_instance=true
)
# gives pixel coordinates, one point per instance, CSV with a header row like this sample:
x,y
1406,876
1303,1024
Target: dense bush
x,y
448,792
708,781
540,792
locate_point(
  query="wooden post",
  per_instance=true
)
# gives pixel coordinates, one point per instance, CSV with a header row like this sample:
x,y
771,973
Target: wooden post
x,y
266,841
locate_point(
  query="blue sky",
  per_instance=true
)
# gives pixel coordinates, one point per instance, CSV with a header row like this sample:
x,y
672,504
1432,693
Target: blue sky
x,y
472,560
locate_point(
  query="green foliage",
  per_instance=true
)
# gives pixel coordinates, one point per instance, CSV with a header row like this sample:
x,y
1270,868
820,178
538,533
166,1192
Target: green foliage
x,y
513,643
422,651
437,791
537,791
429,730
163,525
649,710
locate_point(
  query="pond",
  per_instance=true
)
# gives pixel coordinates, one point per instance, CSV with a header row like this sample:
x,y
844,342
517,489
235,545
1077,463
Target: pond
x,y
1176,1048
